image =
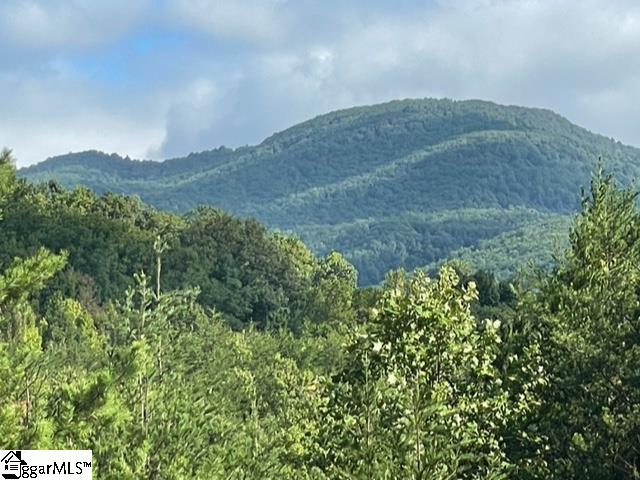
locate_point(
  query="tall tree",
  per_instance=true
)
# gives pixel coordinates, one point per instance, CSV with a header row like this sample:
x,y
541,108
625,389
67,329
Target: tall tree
x,y
7,177
591,309
422,398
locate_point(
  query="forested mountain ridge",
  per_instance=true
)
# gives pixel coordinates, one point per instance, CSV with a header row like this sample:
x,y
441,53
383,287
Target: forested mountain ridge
x,y
404,183
115,336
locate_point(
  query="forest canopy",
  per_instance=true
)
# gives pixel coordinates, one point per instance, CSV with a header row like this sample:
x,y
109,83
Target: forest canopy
x,y
402,184
204,346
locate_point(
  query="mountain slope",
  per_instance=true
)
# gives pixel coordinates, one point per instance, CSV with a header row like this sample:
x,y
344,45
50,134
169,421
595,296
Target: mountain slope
x,y
404,183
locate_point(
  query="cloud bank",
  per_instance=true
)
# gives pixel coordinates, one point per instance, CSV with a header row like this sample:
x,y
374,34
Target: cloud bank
x,y
159,79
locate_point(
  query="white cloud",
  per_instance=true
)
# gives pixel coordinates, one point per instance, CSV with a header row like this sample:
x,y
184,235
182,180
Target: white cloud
x,y
73,24
245,20
248,68
560,55
56,113
193,112
496,46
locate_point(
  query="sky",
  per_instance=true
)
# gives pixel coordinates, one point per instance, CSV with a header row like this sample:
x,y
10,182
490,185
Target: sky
x,y
156,79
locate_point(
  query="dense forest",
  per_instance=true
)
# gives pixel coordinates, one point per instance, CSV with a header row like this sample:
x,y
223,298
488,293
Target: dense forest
x,y
403,184
203,346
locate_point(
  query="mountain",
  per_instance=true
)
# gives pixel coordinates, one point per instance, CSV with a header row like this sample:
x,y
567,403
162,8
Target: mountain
x,y
402,184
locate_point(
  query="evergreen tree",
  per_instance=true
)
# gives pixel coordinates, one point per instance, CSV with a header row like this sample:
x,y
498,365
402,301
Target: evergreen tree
x,y
590,307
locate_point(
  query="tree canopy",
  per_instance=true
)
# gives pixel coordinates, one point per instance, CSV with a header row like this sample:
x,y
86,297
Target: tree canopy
x,y
272,364
397,185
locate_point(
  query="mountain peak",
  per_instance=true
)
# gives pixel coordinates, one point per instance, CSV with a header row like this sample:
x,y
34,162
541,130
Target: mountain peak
x,y
403,183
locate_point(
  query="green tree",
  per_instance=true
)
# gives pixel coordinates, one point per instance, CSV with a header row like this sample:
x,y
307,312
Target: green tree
x,y
7,177
25,385
333,284
590,309
423,398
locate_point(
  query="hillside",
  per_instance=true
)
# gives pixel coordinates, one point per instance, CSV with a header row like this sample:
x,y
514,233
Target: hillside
x,y
405,183
239,354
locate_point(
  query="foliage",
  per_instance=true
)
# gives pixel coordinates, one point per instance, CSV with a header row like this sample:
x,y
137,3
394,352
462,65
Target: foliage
x,y
536,243
461,376
589,307
423,399
7,175
385,185
248,274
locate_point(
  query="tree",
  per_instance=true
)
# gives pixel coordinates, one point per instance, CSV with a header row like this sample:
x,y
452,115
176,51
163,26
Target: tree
x,y
422,398
591,311
333,283
24,389
7,177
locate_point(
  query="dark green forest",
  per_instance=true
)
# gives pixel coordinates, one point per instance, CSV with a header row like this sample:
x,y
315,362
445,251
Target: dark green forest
x,y
203,345
406,184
